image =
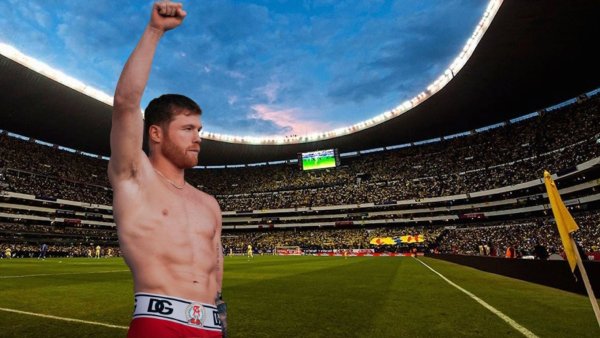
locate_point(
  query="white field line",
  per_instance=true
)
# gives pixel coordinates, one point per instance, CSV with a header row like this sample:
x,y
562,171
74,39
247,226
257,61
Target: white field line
x,y
495,311
61,274
64,319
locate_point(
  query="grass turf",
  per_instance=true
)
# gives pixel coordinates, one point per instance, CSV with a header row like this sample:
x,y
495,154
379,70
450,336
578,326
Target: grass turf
x,y
299,297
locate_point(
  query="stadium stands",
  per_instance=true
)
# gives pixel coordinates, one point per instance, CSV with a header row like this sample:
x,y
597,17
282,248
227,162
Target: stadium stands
x,y
443,190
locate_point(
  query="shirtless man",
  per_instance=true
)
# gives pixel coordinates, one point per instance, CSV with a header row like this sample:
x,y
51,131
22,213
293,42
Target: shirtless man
x,y
169,232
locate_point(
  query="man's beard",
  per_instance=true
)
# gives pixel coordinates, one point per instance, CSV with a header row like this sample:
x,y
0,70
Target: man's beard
x,y
179,157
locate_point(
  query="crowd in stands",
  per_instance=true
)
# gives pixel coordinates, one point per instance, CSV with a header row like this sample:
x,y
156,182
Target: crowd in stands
x,y
55,187
507,155
49,172
323,239
85,232
524,238
514,153
76,240
57,250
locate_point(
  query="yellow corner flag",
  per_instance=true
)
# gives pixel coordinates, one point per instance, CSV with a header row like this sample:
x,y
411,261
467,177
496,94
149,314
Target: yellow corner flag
x,y
564,221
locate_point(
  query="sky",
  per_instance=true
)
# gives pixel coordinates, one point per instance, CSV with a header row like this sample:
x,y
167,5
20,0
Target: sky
x,y
257,68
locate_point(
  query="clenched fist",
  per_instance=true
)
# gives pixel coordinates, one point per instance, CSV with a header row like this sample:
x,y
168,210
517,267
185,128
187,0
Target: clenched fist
x,y
167,15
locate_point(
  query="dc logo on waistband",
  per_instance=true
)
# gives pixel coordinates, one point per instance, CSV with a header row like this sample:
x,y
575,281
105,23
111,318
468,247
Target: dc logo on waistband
x,y
194,313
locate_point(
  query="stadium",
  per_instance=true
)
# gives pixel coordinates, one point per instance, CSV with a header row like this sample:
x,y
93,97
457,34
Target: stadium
x,y
430,220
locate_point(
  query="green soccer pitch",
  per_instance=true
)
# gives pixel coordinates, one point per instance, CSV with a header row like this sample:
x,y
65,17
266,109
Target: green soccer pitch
x,y
274,296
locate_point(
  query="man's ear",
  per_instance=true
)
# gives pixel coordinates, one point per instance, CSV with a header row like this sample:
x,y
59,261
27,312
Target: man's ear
x,y
155,134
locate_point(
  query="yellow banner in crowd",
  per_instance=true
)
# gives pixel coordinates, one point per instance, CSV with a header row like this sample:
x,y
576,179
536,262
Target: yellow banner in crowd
x,y
412,239
402,239
383,241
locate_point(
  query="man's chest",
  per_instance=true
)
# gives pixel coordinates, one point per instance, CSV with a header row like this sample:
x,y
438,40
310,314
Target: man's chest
x,y
168,215
190,217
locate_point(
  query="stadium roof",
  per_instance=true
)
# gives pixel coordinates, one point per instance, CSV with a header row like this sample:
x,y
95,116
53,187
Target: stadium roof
x,y
535,54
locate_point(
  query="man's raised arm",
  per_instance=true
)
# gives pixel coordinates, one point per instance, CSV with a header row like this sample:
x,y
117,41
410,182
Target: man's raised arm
x,y
126,135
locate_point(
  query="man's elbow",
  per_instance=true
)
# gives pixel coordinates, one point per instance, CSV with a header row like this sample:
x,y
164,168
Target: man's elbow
x,y
122,103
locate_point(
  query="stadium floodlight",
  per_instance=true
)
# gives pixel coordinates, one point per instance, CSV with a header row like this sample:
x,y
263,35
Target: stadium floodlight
x,y
54,74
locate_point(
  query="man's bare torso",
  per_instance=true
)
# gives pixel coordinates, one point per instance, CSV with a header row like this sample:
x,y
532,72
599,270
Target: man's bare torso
x,y
168,236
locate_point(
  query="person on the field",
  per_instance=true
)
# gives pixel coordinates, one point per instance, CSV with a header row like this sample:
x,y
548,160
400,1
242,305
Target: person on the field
x,y
169,232
250,253
98,251
43,251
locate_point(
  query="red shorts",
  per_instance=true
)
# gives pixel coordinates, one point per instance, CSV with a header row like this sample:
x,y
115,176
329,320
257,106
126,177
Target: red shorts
x,y
168,317
159,328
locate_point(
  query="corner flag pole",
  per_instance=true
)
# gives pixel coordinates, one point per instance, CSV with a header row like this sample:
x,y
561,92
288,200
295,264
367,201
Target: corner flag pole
x,y
586,282
566,225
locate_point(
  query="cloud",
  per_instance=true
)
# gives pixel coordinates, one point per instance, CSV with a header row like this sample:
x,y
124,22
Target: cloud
x,y
24,28
243,125
230,22
410,52
270,91
232,99
288,119
85,31
268,67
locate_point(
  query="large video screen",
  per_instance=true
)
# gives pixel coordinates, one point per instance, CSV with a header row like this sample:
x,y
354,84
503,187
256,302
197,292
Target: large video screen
x,y
320,159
